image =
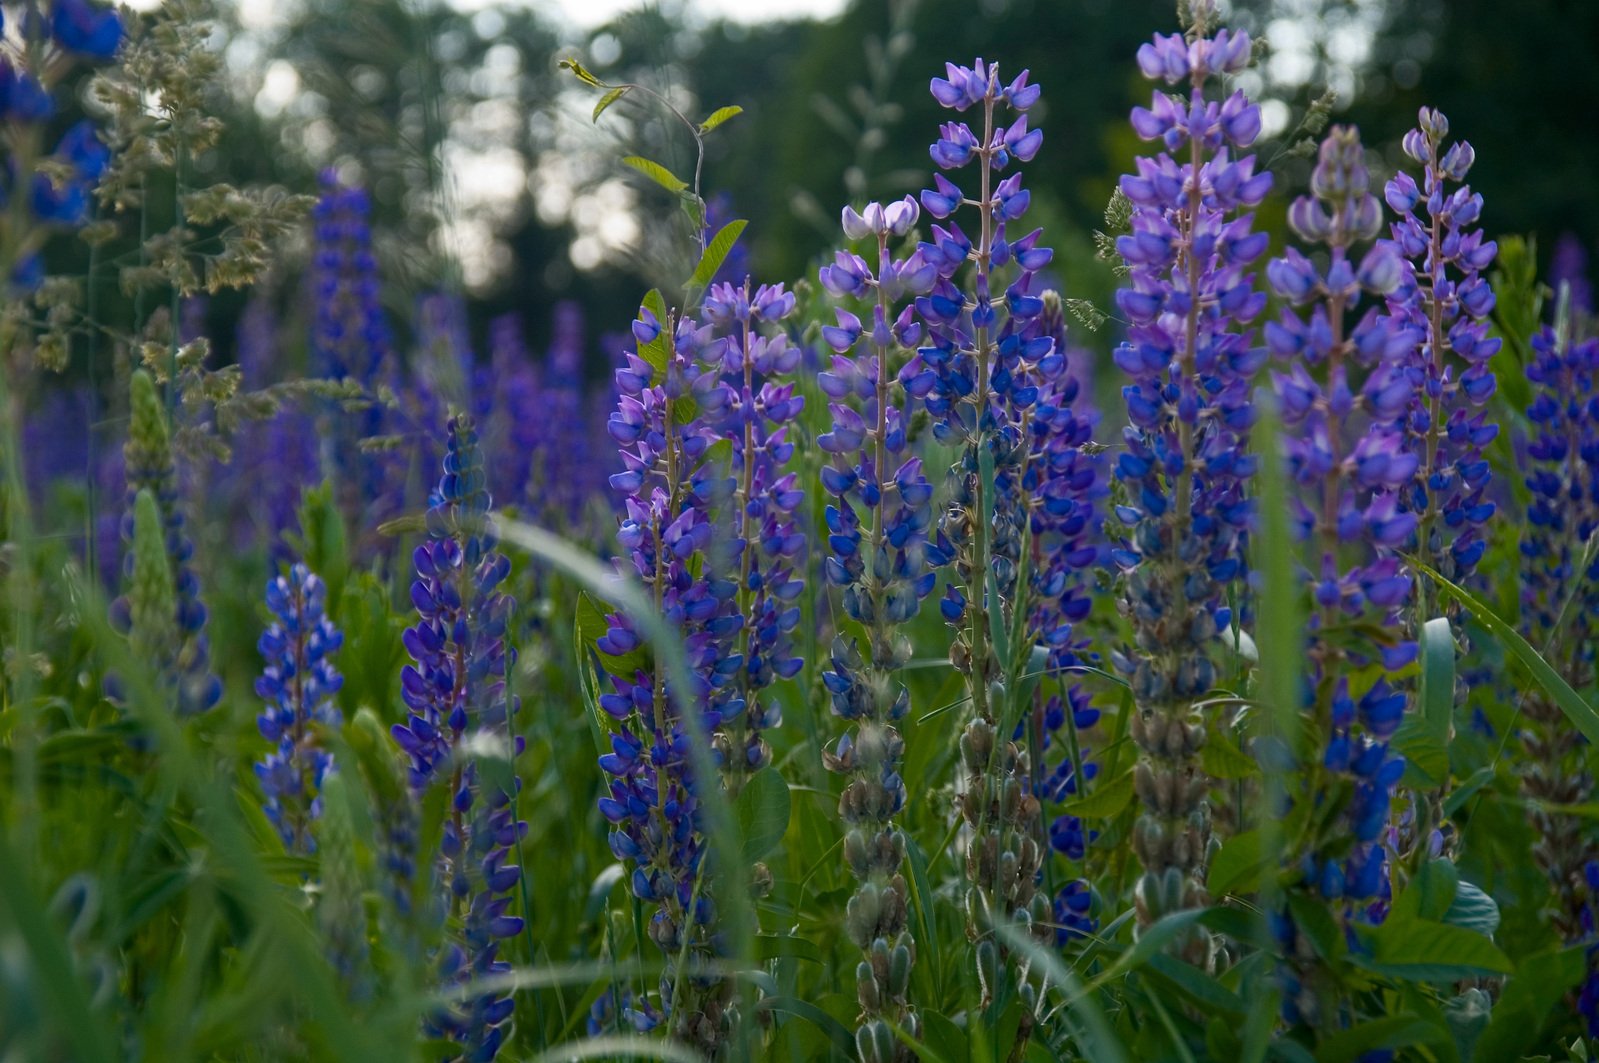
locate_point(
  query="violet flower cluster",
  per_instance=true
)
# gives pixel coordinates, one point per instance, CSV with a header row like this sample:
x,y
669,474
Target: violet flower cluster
x,y
978,373
756,419
298,684
1447,300
456,688
1185,468
671,484
58,195
1065,482
350,341
1344,398
1559,600
880,557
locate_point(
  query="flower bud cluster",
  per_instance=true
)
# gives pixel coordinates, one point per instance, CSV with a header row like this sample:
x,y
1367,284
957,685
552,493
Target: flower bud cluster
x,y
674,487
455,688
298,684
756,420
880,557
184,660
1444,296
1559,599
1190,359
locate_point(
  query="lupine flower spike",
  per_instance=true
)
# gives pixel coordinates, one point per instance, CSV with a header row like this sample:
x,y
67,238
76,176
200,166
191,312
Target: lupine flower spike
x,y
298,685
1183,473
979,372
456,688
759,409
1559,601
884,570
184,661
1344,396
671,483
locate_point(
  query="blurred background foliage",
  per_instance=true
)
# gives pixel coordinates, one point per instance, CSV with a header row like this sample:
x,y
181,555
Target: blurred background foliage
x,y
489,180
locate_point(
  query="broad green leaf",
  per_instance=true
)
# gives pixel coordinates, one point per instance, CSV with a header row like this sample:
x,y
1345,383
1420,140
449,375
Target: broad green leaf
x,y
656,172
1538,988
835,1031
590,625
1423,737
608,99
1395,1031
716,252
1222,759
718,116
1236,867
1473,909
1579,712
1429,893
1419,950
762,809
1107,800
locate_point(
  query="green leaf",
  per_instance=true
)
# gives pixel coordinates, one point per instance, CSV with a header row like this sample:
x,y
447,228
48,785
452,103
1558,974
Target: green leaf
x,y
835,1031
656,172
608,99
1396,1031
1539,986
1429,894
1222,759
1424,737
654,352
716,252
1107,800
1462,793
776,946
1473,910
1579,712
718,116
1420,950
581,72
590,625
1236,867
762,808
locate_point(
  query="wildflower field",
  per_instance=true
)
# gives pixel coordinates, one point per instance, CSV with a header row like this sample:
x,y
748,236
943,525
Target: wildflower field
x,y
1178,646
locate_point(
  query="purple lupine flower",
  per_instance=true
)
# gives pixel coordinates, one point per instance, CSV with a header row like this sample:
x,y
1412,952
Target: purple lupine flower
x,y
979,369
298,684
1344,395
755,420
1569,270
350,341
1190,358
1559,600
274,460
1066,482
80,27
569,478
1445,297
515,423
454,689
671,482
884,570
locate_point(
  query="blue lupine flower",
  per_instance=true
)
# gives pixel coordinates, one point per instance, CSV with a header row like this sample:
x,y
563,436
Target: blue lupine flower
x,y
350,341
1344,398
671,483
979,370
84,29
455,688
1189,355
880,557
1559,600
298,685
765,496
1446,299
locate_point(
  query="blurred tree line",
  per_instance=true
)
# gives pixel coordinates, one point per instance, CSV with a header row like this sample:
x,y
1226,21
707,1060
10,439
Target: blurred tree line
x,y
390,91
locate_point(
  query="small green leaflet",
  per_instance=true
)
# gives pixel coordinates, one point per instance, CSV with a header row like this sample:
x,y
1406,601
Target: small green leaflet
x,y
656,172
718,116
582,72
716,252
608,99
